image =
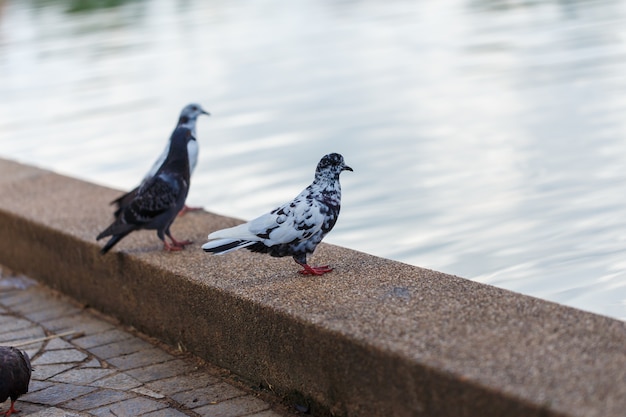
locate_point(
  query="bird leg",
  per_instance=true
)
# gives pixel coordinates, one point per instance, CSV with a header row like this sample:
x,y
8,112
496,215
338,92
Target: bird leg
x,y
186,209
12,409
171,248
179,243
314,270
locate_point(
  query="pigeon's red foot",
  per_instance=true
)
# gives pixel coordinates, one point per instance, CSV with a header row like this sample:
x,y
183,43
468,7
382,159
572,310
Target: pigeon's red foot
x,y
176,245
172,248
187,209
180,243
11,410
315,270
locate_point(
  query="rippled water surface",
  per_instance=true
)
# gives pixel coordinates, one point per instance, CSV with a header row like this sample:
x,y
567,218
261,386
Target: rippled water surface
x,y
488,138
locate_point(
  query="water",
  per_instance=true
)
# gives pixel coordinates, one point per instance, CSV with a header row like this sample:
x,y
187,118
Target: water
x,y
488,138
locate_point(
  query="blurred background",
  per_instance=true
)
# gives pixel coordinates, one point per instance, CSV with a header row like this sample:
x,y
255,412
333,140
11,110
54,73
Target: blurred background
x,y
488,138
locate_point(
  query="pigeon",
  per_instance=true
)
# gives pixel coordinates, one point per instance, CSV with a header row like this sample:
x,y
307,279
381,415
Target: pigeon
x,y
295,228
157,202
15,373
188,118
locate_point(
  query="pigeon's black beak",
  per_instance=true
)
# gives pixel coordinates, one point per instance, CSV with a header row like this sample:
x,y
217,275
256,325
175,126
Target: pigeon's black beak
x,y
206,112
347,168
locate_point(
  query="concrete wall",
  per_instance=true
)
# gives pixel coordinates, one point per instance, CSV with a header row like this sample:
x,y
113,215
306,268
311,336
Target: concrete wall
x,y
373,338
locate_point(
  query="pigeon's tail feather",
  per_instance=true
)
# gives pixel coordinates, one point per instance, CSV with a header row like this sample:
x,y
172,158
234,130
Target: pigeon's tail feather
x,y
117,228
113,241
104,233
222,246
240,232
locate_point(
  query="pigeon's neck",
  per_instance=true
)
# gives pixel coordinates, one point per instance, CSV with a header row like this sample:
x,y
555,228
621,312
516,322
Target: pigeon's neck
x,y
327,189
177,158
190,124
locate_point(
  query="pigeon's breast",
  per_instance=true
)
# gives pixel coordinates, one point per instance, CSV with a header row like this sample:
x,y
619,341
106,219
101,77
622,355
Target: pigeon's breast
x,y
193,150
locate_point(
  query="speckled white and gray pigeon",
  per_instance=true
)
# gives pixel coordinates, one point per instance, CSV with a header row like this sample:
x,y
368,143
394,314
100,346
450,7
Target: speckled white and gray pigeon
x,y
188,118
293,229
15,373
157,202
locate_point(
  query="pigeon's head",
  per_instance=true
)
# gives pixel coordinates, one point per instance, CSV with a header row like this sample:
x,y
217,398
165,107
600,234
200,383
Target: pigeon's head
x,y
331,165
190,113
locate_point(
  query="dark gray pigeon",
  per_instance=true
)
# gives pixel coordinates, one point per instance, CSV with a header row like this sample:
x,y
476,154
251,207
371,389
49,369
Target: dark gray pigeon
x,y
15,373
157,202
293,229
188,118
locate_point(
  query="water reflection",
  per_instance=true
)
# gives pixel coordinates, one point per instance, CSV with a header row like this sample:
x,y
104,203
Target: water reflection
x,y
487,137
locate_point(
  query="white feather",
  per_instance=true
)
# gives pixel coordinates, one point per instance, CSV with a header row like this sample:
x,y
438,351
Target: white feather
x,y
282,228
192,150
240,232
220,242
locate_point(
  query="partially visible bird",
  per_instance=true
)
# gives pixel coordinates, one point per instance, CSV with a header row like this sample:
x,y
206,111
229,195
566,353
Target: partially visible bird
x,y
15,373
188,118
158,200
295,228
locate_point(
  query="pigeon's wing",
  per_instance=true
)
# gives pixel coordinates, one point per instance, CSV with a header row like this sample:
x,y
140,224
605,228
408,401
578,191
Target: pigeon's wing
x,y
124,200
23,375
157,164
157,196
291,222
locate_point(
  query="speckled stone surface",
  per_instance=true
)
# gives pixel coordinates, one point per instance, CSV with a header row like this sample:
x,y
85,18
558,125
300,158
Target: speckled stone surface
x,y
373,338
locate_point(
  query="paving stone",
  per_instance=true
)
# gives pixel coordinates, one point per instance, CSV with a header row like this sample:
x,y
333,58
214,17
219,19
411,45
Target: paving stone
x,y
142,358
22,335
32,349
165,412
43,372
202,396
93,363
234,407
112,350
50,312
182,383
58,344
82,376
56,412
57,393
161,370
26,409
131,407
10,281
13,299
10,324
60,356
100,339
81,323
97,399
147,392
119,381
35,385
6,318
266,413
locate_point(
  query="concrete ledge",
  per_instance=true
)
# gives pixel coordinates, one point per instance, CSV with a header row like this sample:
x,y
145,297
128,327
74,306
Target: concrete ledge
x,y
374,338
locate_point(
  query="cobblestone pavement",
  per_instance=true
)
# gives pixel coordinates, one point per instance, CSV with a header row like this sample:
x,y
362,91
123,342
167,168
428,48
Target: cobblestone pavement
x,y
106,370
